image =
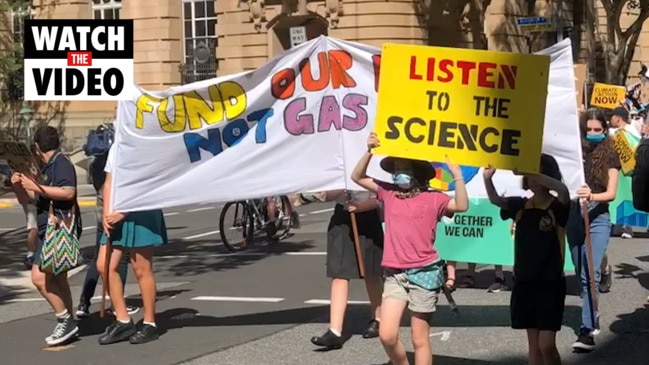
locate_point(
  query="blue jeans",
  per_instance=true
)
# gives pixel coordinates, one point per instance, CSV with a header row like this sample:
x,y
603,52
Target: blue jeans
x,y
600,232
92,276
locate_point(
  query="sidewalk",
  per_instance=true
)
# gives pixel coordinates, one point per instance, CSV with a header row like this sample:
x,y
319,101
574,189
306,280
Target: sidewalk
x,y
86,198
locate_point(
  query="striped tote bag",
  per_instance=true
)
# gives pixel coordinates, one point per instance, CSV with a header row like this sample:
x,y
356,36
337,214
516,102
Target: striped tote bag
x,y
60,252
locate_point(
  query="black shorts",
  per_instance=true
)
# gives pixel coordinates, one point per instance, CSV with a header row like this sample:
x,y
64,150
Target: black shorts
x,y
538,305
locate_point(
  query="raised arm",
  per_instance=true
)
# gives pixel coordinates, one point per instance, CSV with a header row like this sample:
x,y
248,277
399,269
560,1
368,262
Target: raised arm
x,y
551,183
359,174
494,198
460,203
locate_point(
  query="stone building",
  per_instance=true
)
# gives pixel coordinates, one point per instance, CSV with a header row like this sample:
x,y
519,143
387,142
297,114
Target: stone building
x,y
180,41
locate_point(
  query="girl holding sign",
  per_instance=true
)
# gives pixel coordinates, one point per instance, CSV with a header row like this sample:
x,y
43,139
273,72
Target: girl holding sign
x,y
601,168
539,292
413,268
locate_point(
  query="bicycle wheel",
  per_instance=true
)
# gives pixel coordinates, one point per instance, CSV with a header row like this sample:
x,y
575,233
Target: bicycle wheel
x,y
236,221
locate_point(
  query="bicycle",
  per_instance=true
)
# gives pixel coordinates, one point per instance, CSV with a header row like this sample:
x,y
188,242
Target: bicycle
x,y
250,218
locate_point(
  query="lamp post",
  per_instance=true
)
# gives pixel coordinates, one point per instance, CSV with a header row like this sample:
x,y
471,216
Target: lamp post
x,y
26,113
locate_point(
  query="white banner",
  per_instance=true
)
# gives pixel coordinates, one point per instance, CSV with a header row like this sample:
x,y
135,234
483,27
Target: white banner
x,y
297,124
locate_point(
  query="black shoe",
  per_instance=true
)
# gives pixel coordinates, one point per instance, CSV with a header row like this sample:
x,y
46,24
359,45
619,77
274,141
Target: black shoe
x,y
65,330
329,340
117,332
372,330
83,310
606,280
497,286
585,341
147,333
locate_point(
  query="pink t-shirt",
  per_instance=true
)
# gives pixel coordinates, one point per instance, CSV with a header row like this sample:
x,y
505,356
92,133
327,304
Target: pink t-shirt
x,y
410,226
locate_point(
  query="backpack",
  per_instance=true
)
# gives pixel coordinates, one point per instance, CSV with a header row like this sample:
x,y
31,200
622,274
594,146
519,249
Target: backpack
x,y
97,146
640,179
99,140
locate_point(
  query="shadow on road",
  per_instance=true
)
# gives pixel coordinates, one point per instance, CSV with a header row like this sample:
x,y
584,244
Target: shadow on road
x,y
181,258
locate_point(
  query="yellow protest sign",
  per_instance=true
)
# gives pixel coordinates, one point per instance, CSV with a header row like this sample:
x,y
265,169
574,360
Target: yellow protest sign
x,y
607,96
477,107
625,152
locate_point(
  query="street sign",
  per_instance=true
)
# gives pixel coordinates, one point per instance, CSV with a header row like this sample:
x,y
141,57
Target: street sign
x,y
298,36
535,24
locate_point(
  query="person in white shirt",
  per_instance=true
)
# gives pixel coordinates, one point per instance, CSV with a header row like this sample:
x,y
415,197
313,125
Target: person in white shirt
x,y
619,119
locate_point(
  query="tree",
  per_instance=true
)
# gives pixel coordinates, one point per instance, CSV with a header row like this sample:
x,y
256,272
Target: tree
x,y
618,45
13,124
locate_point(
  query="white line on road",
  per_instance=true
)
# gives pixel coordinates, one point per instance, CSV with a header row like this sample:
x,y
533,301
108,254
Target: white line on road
x,y
204,234
444,335
171,213
238,299
322,211
327,301
22,300
200,209
89,228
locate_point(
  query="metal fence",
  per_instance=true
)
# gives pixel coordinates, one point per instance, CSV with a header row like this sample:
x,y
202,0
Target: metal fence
x,y
192,72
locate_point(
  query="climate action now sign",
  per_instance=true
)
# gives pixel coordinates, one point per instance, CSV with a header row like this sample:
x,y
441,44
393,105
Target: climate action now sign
x,y
78,59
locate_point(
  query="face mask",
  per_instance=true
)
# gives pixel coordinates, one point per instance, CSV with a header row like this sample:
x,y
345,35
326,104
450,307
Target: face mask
x,y
403,180
595,138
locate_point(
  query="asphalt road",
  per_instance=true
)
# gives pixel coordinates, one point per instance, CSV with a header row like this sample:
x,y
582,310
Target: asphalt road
x,y
262,307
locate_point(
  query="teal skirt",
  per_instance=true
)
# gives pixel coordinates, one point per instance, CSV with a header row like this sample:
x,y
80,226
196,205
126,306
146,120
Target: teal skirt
x,y
139,229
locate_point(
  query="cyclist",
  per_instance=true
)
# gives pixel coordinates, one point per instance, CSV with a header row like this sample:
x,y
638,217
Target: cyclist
x,y
271,207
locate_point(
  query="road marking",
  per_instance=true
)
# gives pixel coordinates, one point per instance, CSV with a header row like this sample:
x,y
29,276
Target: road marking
x,y
322,211
58,348
204,234
444,335
200,209
86,203
9,229
89,228
23,300
308,253
238,299
327,301
171,213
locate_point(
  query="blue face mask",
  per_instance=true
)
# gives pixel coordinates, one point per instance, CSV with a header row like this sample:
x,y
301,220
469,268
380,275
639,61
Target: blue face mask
x,y
595,138
402,179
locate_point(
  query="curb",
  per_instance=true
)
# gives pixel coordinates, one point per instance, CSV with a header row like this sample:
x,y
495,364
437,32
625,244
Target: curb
x,y
83,202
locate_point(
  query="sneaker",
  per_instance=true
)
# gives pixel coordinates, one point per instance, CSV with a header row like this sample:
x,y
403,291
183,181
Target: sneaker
x,y
65,329
117,332
585,341
147,333
329,340
606,281
596,331
130,309
29,262
497,286
83,310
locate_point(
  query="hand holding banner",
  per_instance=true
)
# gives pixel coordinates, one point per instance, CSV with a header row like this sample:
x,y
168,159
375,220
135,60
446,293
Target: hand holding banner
x,y
468,104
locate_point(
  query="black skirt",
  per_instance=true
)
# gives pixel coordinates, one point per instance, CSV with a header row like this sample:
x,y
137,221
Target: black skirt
x,y
538,305
341,252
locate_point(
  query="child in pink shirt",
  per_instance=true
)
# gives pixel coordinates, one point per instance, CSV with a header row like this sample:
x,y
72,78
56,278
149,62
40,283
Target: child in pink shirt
x,y
413,269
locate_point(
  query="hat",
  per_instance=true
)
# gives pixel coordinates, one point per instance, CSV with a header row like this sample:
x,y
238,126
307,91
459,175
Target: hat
x,y
620,112
422,170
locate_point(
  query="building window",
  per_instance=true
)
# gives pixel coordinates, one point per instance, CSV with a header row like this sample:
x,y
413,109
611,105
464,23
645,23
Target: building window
x,y
200,40
106,9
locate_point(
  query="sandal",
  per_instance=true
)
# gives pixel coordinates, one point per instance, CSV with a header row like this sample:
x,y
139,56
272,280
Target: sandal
x,y
467,282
